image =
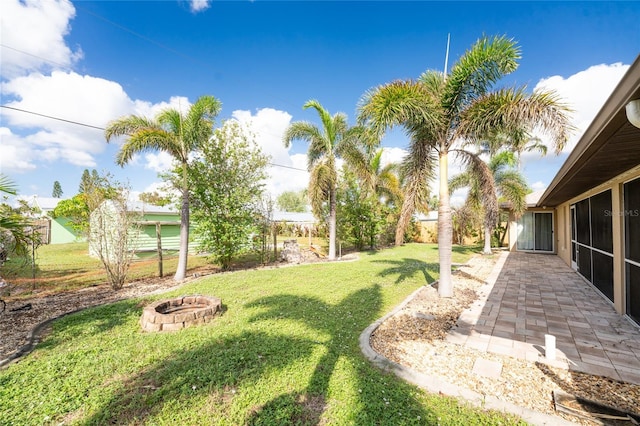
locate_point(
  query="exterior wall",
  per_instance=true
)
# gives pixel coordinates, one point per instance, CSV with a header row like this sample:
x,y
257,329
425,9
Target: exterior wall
x,y
617,215
147,240
62,233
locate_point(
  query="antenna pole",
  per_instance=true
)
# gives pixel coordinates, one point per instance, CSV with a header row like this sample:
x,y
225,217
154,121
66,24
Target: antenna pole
x,y
446,57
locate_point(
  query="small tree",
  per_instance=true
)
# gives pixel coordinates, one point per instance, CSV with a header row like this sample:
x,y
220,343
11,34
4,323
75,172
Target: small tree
x,y
361,216
292,201
112,238
155,199
226,181
94,189
57,190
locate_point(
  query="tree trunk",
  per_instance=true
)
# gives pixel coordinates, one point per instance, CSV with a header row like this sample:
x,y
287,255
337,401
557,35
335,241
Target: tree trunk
x,y
181,271
487,240
332,223
445,229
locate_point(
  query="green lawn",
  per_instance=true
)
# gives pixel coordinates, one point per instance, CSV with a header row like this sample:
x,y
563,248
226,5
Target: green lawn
x,y
62,267
284,352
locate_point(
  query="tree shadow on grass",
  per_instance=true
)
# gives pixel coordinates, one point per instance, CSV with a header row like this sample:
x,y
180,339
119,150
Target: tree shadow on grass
x,y
340,326
406,268
85,323
215,369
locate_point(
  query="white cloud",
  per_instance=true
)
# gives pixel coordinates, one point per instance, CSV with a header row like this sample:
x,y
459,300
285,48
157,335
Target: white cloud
x,y
538,185
392,155
32,32
160,162
199,5
16,155
585,92
269,125
69,96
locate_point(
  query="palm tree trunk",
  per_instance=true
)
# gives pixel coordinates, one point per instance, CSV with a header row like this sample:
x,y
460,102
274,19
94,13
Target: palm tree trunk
x,y
445,229
332,223
487,240
181,271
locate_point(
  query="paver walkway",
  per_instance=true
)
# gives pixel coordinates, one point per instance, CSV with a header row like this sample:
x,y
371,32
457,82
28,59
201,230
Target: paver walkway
x,y
534,295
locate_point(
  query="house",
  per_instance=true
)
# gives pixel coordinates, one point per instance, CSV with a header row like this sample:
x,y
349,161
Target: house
x,y
589,215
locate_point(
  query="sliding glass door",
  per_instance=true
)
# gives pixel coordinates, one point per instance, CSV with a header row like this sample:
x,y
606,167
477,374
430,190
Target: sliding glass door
x,y
535,232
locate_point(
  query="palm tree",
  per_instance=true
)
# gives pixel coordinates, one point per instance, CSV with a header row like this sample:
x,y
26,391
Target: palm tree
x,y
376,180
440,112
326,145
16,230
488,183
176,134
518,141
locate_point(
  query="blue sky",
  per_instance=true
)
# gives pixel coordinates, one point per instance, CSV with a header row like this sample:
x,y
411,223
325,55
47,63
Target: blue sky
x,y
90,62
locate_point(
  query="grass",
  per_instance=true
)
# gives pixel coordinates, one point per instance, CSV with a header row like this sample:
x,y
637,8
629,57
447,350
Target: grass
x,y
285,351
62,267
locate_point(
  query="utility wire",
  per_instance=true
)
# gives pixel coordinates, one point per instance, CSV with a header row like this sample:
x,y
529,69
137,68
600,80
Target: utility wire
x,y
53,118
102,128
35,56
143,37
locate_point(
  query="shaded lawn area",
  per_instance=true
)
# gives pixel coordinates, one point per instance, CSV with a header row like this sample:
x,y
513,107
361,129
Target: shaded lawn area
x,y
284,352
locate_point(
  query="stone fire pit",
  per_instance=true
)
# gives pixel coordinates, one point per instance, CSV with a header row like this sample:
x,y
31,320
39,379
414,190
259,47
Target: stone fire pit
x,y
178,313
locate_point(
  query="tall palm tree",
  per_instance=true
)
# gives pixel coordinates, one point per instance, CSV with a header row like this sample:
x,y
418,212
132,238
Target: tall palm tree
x,y
176,134
326,145
440,112
488,183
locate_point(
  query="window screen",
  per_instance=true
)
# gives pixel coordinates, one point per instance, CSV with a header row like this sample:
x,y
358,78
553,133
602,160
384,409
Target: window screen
x,y
601,222
603,273
583,233
633,292
632,220
584,262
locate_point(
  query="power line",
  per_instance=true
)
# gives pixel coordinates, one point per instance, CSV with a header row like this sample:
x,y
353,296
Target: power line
x,y
52,118
143,37
35,56
102,128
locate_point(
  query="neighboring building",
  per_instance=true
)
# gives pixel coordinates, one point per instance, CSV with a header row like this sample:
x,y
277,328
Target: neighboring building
x,y
590,213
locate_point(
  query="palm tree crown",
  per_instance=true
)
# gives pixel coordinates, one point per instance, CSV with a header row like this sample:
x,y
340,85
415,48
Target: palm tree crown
x,y
441,112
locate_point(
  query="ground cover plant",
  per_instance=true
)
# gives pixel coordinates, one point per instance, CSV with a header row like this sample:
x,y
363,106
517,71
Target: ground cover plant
x,y
285,351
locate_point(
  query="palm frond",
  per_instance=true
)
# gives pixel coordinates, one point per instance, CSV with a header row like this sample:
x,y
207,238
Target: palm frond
x,y
511,110
484,183
475,73
321,181
149,139
7,185
128,125
399,103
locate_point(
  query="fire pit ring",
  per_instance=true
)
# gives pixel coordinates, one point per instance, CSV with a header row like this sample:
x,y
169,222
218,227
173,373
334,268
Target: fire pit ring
x,y
178,313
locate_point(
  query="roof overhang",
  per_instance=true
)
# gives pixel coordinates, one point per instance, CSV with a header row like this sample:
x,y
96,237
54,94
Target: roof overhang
x,y
609,146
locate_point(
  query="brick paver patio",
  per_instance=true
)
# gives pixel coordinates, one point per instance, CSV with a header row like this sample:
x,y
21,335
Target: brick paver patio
x,y
529,296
